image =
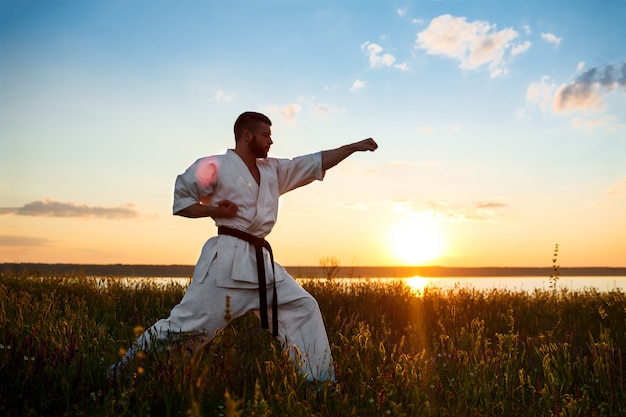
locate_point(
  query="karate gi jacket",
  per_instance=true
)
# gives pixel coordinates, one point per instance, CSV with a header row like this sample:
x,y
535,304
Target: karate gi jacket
x,y
229,260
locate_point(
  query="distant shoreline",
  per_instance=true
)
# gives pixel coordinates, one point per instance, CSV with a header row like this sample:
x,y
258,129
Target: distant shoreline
x,y
155,271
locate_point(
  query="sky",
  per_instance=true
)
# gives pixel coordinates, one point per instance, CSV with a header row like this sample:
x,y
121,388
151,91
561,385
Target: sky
x,y
501,127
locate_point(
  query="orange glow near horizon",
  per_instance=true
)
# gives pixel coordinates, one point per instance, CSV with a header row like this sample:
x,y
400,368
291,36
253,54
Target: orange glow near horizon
x,y
416,241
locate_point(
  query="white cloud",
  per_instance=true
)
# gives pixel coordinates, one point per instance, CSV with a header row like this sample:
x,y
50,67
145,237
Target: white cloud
x,y
307,107
402,11
541,93
587,91
402,67
288,112
221,96
551,38
590,124
376,56
474,44
580,66
578,96
585,94
520,48
357,85
316,109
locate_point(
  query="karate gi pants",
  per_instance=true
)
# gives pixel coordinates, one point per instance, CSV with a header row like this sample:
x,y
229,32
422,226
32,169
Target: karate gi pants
x,y
201,314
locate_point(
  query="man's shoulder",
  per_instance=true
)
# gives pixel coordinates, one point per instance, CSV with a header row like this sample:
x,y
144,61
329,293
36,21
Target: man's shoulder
x,y
210,158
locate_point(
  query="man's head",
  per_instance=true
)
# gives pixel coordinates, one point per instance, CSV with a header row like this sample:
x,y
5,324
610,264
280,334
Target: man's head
x,y
253,134
250,121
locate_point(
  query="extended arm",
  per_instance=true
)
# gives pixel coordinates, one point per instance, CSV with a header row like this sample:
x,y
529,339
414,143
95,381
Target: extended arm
x,y
332,157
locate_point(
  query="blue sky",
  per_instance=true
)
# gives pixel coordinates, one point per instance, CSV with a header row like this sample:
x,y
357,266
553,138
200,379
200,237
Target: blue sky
x,y
501,125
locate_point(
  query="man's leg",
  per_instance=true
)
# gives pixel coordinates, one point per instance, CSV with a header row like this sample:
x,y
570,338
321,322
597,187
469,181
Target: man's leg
x,y
300,325
200,314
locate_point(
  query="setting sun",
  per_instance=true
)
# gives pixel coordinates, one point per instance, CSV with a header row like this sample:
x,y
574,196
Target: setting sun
x,y
416,242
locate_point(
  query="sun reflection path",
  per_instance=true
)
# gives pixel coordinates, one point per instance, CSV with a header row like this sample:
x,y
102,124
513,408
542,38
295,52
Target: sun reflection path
x,y
417,284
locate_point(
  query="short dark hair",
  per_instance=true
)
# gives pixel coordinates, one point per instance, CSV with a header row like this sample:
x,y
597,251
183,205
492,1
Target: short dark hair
x,y
249,120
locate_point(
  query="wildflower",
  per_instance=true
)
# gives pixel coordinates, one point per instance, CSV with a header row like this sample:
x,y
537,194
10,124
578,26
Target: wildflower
x,y
138,331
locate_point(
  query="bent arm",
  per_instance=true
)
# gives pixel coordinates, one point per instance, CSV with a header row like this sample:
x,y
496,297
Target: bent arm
x,y
332,157
223,209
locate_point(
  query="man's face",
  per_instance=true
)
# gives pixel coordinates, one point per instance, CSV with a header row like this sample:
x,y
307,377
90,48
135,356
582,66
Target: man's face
x,y
261,141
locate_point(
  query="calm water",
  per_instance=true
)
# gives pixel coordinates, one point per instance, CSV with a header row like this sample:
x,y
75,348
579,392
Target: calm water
x,y
513,283
600,283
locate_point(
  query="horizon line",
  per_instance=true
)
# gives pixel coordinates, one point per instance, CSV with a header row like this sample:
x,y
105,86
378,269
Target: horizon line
x,y
316,271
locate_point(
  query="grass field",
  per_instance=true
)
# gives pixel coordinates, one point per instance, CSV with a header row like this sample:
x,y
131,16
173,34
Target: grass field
x,y
458,352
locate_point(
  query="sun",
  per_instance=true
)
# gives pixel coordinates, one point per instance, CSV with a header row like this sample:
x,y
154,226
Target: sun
x,y
416,241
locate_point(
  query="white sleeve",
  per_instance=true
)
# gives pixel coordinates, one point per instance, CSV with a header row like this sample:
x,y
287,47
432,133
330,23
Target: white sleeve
x,y
299,171
196,183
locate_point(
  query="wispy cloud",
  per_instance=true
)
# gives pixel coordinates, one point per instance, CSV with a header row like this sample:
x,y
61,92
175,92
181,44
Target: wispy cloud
x,y
23,241
551,38
357,85
354,206
614,196
541,93
520,48
426,130
593,123
210,93
488,204
402,11
618,189
474,44
440,210
302,107
402,168
221,96
287,112
52,208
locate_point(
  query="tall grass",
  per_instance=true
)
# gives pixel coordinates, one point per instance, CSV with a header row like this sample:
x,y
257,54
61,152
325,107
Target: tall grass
x,y
458,352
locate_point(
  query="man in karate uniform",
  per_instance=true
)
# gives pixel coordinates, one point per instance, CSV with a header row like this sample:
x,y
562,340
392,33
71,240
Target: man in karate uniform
x,y
240,191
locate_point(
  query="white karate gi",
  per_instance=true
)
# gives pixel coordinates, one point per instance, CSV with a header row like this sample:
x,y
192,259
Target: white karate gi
x,y
227,265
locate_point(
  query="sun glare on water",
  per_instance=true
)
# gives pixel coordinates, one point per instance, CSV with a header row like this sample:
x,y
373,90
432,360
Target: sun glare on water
x,y
418,284
416,242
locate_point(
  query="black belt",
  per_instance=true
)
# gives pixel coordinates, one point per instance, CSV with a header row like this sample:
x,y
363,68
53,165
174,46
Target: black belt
x,y
259,244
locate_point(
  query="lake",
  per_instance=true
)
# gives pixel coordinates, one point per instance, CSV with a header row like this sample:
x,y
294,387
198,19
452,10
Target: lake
x,y
481,278
517,283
